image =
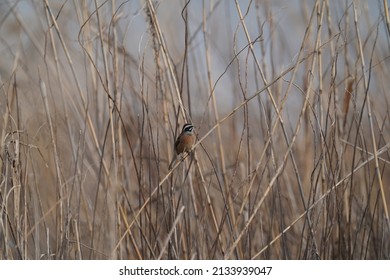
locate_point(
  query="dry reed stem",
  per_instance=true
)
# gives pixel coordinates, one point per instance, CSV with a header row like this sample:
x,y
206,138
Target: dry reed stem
x,y
366,89
289,164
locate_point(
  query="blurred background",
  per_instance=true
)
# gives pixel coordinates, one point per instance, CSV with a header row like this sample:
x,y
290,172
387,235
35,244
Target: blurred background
x,y
291,107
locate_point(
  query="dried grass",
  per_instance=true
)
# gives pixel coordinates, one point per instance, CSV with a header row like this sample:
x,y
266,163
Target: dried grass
x,y
292,113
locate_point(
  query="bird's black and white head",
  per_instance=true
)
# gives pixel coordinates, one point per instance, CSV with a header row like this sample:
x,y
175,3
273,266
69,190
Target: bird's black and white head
x,y
188,128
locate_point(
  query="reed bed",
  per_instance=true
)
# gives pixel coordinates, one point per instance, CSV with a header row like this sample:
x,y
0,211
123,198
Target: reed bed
x,y
291,109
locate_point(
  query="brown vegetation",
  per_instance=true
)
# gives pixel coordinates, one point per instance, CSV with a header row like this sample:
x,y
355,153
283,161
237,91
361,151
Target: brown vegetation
x,y
292,113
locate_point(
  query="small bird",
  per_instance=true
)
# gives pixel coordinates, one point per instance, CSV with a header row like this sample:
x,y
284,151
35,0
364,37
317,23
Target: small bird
x,y
184,142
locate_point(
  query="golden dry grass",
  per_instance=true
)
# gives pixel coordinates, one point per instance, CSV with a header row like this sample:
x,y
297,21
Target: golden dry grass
x,y
292,113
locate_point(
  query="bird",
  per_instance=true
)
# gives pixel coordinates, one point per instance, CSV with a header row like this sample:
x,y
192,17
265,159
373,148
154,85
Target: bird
x,y
184,142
